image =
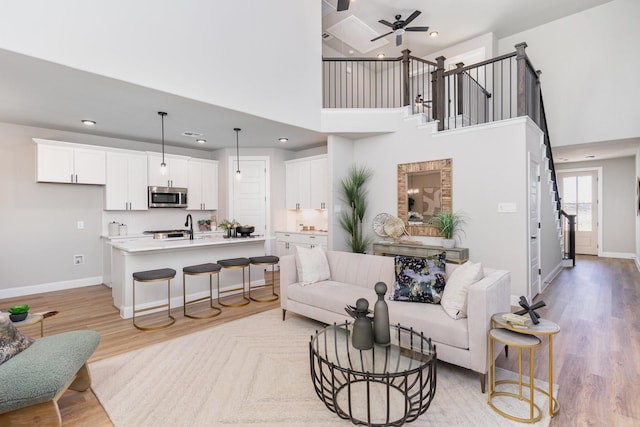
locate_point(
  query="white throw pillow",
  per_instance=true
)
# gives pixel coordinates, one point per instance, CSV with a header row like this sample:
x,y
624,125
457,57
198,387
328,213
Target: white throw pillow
x,y
454,297
312,265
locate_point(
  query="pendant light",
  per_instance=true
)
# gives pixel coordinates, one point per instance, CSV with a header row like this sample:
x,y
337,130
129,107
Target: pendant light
x,y
238,173
163,165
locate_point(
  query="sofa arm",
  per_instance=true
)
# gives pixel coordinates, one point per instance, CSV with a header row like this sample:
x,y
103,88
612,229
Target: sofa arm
x,y
488,296
288,276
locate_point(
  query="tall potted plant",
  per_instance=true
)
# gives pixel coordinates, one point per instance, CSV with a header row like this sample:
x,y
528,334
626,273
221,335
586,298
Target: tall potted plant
x,y
354,194
449,223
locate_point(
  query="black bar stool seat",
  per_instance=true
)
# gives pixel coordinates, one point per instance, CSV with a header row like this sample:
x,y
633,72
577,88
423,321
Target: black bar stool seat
x,y
148,276
201,270
234,263
265,260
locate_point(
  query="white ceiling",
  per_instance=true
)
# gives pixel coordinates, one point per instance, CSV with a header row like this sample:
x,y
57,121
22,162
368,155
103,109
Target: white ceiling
x,y
38,93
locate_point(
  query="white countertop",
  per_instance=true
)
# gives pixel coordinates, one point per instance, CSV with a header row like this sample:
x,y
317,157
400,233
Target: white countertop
x,y
147,245
314,233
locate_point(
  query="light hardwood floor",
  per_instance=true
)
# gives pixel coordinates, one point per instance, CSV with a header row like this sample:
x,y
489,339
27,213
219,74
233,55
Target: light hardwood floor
x,y
596,354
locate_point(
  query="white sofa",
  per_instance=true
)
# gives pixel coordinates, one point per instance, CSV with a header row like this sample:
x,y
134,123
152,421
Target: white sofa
x,y
462,342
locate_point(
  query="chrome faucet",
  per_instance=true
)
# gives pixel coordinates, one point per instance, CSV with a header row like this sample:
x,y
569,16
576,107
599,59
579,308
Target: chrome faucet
x,y
189,223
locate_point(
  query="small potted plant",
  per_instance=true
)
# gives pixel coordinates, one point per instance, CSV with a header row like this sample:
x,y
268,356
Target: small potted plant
x,y
18,313
207,225
449,224
201,226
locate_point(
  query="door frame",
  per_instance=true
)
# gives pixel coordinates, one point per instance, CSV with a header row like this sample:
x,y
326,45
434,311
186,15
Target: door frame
x,y
600,196
534,286
231,177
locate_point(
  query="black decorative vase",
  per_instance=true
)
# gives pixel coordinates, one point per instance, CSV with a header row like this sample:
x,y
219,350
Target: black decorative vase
x,y
362,337
381,329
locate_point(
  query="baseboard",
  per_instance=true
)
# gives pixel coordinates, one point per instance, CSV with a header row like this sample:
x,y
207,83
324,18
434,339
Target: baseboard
x,y
638,264
623,255
552,275
50,287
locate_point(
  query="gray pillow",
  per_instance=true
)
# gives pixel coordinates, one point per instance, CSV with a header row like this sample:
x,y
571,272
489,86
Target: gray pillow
x,y
12,341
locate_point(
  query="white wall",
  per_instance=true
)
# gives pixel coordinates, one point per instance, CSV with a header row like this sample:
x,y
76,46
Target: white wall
x,y
470,51
589,66
618,203
637,208
196,49
489,167
340,158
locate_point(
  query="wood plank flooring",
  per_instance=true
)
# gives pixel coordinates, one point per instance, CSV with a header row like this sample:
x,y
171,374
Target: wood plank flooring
x,y
596,355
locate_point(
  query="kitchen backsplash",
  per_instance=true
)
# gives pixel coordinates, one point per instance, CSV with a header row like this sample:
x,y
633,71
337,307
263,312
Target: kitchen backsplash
x,y
307,217
153,219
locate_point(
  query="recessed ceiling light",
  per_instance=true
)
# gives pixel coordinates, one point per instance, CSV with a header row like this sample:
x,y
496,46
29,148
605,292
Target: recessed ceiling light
x,y
380,55
433,34
283,139
89,122
192,134
201,141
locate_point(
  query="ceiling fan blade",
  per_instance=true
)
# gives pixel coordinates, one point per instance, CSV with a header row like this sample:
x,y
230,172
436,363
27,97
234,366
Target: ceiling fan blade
x,y
417,29
384,35
387,23
343,5
413,16
398,39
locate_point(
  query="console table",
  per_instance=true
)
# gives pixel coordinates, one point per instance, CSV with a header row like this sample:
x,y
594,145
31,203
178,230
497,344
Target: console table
x,y
455,255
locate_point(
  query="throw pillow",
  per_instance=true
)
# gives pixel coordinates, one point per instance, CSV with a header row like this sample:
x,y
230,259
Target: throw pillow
x,y
312,265
12,341
454,297
420,279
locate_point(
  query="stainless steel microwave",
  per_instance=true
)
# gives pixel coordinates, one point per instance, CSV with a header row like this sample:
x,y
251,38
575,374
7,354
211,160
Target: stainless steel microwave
x,y
167,197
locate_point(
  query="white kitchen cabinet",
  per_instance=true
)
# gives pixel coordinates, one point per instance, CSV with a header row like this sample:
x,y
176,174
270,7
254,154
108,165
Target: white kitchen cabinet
x,y
307,183
69,163
126,187
203,185
286,242
177,174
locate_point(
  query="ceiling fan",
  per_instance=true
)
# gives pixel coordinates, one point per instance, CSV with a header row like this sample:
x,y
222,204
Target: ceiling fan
x,y
400,26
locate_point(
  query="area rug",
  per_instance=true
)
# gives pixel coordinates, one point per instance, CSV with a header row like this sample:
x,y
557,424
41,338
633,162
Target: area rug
x,y
255,371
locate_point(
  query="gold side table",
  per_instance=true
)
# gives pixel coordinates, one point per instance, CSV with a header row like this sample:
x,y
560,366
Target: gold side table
x,y
32,319
546,328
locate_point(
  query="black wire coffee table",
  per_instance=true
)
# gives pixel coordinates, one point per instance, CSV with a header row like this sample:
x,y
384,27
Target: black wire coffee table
x,y
385,386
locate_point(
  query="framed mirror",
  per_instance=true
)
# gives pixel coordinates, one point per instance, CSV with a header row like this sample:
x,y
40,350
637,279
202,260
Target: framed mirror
x,y
424,188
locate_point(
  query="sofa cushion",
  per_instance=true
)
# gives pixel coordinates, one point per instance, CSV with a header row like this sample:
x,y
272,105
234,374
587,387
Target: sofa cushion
x,y
12,341
432,321
312,265
420,279
454,297
330,295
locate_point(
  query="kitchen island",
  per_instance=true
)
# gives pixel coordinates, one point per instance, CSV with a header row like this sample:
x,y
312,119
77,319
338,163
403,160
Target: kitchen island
x,y
149,254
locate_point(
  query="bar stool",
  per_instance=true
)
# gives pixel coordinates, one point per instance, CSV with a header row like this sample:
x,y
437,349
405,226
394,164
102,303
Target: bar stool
x,y
519,341
154,276
200,270
266,260
234,263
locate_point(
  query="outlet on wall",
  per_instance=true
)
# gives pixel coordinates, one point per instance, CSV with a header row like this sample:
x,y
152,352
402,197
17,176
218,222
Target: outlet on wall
x,y
78,259
80,225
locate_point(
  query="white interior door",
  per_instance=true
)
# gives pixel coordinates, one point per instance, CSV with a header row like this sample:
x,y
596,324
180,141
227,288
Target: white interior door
x,y
247,195
579,192
534,229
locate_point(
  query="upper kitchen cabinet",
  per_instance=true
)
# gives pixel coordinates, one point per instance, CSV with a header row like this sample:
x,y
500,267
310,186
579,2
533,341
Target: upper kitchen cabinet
x,y
126,181
69,163
306,183
177,174
203,185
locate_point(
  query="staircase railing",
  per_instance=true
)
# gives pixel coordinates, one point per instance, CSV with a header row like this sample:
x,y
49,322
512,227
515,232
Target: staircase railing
x,y
569,235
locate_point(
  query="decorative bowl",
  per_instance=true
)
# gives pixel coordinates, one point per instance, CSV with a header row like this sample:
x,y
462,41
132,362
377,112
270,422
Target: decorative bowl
x,y
245,230
18,317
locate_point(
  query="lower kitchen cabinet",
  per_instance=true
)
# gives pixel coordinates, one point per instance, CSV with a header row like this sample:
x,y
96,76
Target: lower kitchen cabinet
x,y
287,241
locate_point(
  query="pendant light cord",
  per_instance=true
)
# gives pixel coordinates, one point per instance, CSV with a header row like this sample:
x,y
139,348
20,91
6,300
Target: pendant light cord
x,y
237,150
162,114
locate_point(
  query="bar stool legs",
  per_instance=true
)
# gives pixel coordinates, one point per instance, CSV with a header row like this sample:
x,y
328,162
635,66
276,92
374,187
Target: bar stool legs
x,y
154,276
201,270
264,261
234,263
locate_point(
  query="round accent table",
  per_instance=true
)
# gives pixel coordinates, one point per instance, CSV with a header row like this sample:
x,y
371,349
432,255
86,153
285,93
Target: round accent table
x,y
384,386
546,328
31,319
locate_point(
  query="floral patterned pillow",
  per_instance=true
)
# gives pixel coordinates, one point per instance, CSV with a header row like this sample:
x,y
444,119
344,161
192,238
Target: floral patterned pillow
x,y
12,341
420,279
